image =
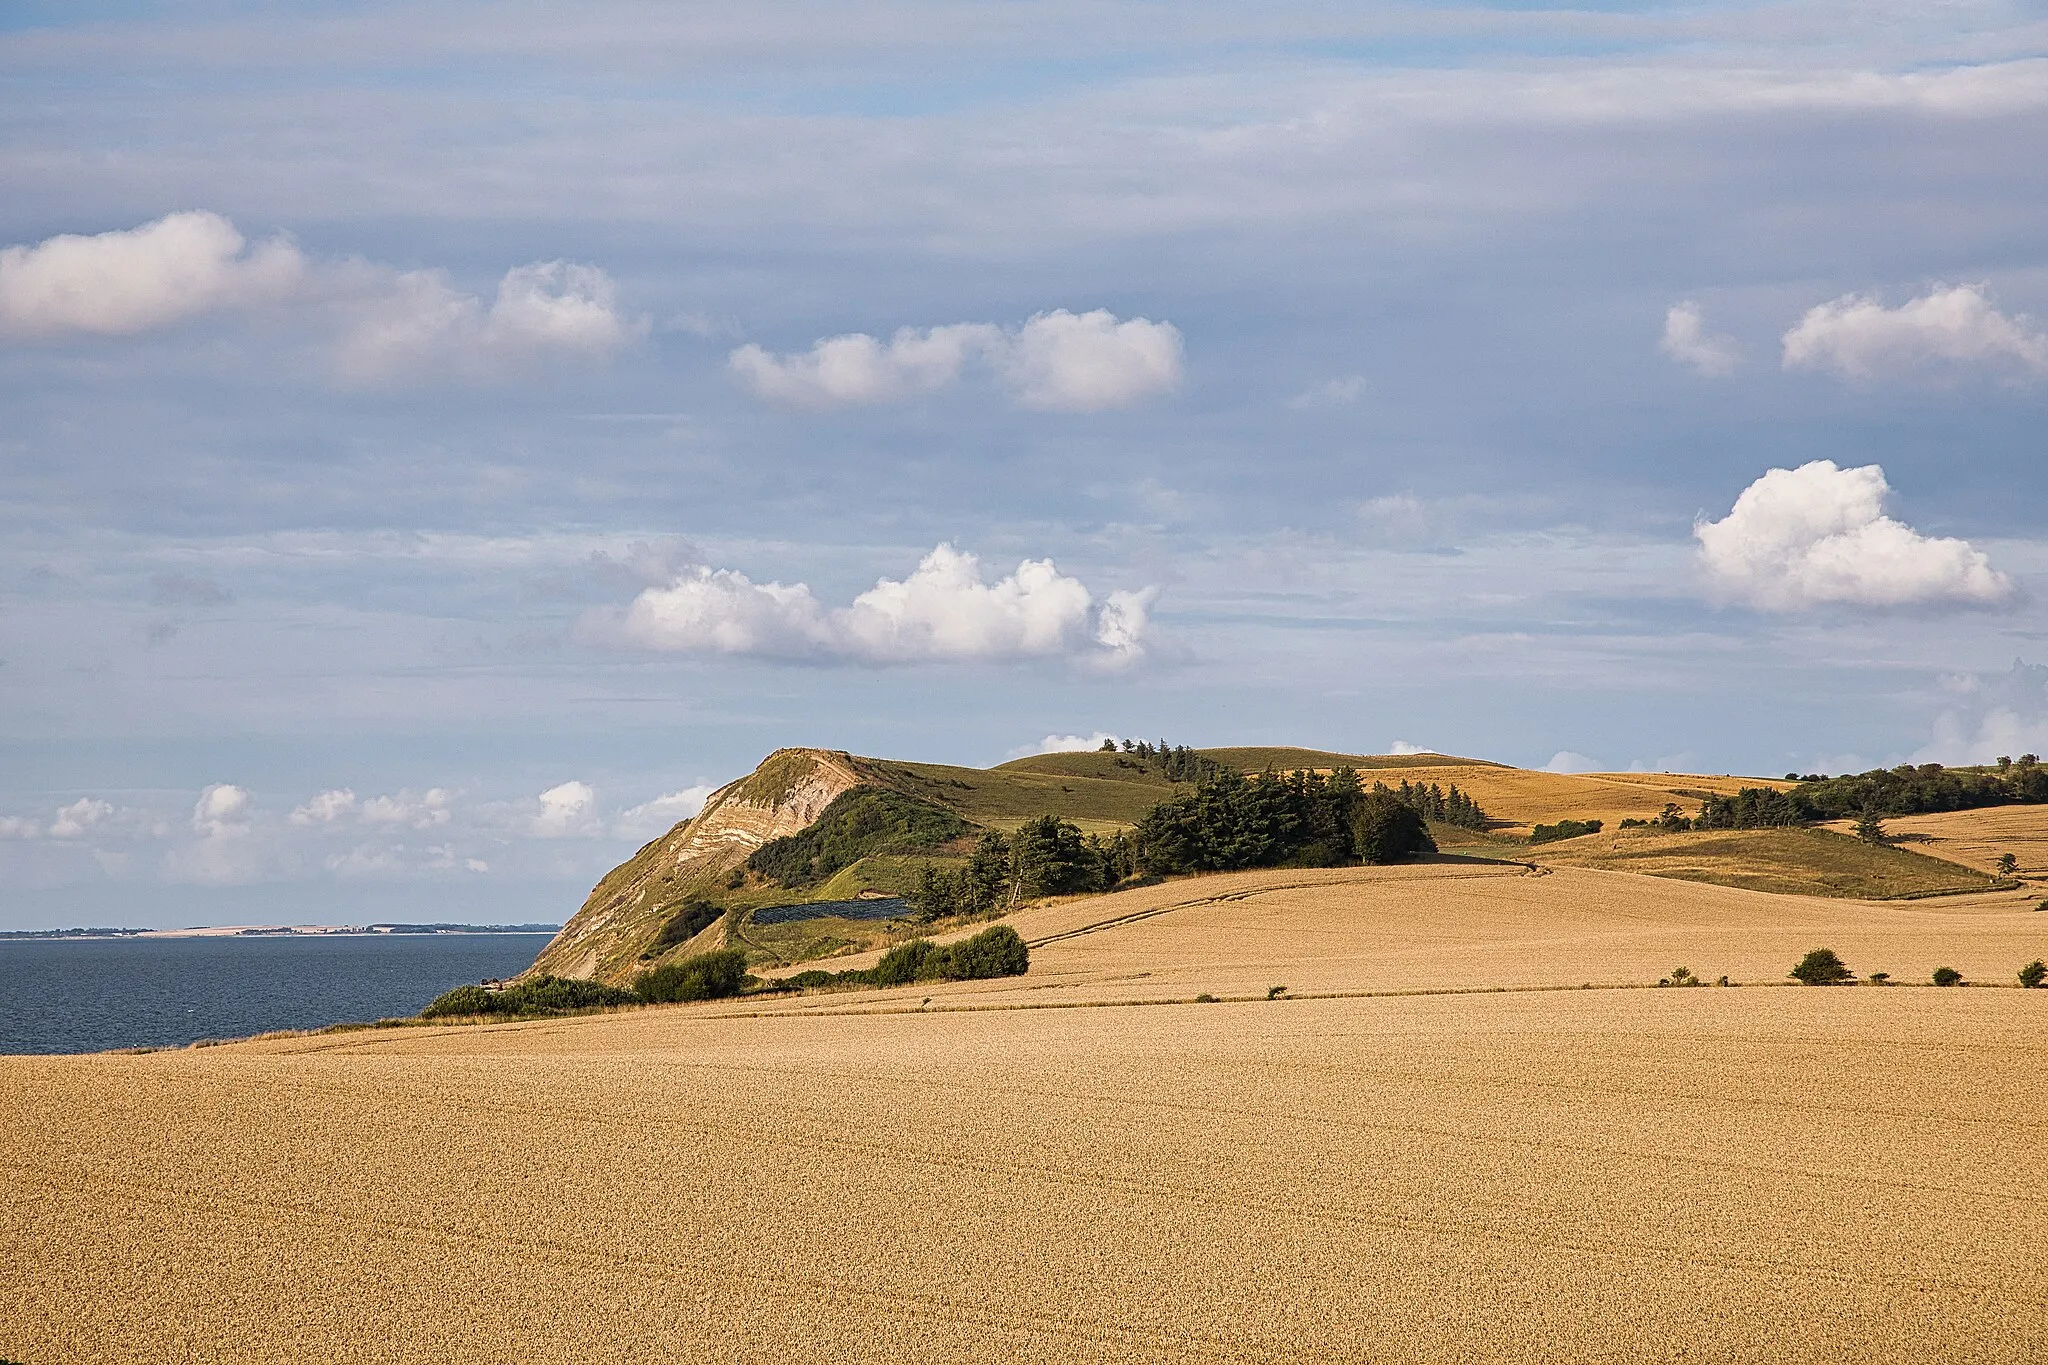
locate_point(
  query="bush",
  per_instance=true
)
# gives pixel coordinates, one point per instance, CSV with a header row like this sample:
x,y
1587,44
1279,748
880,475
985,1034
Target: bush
x,y
1947,976
692,918
995,951
1822,967
2033,974
809,980
1563,829
904,963
543,995
707,976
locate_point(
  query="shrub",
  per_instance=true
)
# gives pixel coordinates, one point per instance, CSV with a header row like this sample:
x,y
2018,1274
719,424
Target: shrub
x,y
809,980
904,963
1880,978
1385,829
1947,976
1822,967
995,951
1563,829
707,976
692,918
463,1000
2033,974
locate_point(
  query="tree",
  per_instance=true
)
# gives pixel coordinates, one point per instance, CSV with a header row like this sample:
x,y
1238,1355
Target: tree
x,y
1386,830
1947,976
1869,828
1108,747
2007,864
1823,967
2033,974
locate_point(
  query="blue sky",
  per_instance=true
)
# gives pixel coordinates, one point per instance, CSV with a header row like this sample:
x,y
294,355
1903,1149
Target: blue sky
x,y
426,460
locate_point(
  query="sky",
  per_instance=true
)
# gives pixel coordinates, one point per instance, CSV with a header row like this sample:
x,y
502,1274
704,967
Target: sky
x,y
441,442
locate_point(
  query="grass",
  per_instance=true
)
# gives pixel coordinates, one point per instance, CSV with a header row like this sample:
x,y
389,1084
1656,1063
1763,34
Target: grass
x,y
1805,862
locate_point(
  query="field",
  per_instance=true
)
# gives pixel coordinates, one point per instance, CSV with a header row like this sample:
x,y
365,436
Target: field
x,y
1072,1166
1977,837
1808,862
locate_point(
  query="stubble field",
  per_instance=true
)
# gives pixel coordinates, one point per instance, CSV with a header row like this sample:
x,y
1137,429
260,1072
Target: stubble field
x,y
1760,1173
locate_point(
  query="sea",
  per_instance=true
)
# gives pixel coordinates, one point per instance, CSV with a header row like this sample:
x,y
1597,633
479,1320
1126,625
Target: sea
x,y
90,995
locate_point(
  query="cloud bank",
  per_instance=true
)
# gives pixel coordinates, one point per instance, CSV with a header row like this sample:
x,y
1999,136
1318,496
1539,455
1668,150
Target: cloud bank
x,y
1817,535
418,326
945,611
1687,341
1952,326
1054,362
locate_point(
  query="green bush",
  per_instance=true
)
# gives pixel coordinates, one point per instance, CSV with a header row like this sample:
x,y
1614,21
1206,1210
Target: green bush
x,y
541,996
692,918
707,976
1822,967
2033,974
904,963
1385,829
995,951
1947,976
1563,829
804,981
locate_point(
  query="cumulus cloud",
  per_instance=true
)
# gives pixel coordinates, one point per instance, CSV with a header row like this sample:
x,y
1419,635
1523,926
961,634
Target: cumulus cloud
x,y
1068,744
1817,534
947,611
1858,339
1566,761
74,821
221,810
128,281
1992,716
1054,362
422,327
568,811
340,807
657,817
1402,746
1687,341
227,851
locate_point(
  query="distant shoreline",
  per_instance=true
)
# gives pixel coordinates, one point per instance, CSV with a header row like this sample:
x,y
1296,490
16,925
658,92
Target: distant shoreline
x,y
278,931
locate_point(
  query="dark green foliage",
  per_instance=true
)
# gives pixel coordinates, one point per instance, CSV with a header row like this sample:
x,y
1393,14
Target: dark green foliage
x,y
1386,830
1047,856
2008,863
1563,829
804,981
1298,819
1051,859
707,976
1870,829
903,963
860,822
1431,802
1175,763
1822,967
1912,790
1947,976
540,996
1750,808
996,951
691,918
2034,974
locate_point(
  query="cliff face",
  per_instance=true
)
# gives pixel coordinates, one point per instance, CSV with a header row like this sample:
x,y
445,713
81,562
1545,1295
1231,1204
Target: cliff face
x,y
624,915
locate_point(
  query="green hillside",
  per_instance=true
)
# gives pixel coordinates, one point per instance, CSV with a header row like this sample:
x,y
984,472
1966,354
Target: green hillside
x,y
1284,758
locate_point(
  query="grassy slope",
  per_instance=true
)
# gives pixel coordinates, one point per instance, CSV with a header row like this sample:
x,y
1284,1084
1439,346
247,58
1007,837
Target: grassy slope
x,y
1806,862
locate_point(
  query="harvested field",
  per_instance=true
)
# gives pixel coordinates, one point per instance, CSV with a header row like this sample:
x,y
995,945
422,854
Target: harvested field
x,y
1977,837
1523,797
1763,1174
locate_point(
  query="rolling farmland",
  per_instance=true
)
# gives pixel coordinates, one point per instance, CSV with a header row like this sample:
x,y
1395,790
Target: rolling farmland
x,y
1763,1173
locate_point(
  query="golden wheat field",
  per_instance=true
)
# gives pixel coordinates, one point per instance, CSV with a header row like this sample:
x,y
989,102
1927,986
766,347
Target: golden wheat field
x,y
1977,837
1523,796
1763,1173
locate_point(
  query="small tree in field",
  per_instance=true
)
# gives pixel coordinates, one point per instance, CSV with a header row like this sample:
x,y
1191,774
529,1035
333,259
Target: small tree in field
x,y
2033,974
1869,828
1822,967
2007,864
1947,976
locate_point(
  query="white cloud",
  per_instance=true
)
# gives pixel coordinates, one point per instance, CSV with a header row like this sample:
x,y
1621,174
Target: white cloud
x,y
222,810
857,368
1818,534
946,610
659,816
1402,746
1067,744
1331,393
1859,339
128,281
77,819
568,811
1088,362
1687,341
420,327
339,807
1565,761
1055,362
1993,716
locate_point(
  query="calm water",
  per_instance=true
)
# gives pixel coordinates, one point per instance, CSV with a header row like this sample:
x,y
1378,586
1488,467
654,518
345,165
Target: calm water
x,y
85,996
